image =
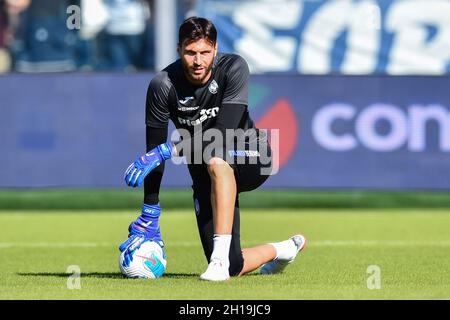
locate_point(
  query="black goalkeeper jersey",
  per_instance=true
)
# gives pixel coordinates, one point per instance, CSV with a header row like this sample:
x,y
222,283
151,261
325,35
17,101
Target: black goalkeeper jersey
x,y
171,96
221,103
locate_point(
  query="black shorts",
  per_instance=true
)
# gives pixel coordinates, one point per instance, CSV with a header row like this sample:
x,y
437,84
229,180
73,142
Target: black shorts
x,y
249,176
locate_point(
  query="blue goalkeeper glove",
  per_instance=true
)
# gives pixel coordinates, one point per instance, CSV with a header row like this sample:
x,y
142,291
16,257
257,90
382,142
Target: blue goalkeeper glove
x,y
142,166
134,245
145,226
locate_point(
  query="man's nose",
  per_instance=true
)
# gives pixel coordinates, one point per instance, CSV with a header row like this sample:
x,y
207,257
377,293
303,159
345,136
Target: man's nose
x,y
197,59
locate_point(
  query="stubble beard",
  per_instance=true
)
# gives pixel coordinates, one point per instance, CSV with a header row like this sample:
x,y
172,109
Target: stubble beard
x,y
200,79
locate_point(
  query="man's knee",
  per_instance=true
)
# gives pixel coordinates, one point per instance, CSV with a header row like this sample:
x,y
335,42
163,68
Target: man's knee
x,y
218,167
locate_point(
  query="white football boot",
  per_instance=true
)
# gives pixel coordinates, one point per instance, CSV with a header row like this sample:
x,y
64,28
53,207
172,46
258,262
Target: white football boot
x,y
291,248
216,271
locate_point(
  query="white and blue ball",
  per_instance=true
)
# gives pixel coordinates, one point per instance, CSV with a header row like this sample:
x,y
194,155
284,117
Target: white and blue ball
x,y
146,261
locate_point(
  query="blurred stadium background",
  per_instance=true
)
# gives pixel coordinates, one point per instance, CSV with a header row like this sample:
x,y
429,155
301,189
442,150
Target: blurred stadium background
x,y
358,89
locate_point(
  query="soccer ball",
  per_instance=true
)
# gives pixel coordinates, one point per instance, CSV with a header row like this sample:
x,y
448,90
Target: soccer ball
x,y
143,259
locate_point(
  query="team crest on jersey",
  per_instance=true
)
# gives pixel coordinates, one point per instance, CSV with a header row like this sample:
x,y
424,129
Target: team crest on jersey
x,y
213,86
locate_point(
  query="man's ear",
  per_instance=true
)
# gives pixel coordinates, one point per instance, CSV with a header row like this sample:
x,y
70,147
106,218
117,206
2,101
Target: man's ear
x,y
179,50
215,49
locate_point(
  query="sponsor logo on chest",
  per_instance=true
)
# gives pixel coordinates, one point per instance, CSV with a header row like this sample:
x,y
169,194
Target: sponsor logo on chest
x,y
204,114
184,104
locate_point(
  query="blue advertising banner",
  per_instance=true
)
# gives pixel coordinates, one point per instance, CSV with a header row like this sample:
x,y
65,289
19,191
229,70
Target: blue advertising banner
x,y
77,130
359,132
83,130
393,37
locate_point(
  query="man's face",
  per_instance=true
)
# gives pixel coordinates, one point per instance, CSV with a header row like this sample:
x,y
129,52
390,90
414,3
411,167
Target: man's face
x,y
197,58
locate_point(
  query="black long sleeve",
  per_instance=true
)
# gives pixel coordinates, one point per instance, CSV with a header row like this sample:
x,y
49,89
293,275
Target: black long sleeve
x,y
152,183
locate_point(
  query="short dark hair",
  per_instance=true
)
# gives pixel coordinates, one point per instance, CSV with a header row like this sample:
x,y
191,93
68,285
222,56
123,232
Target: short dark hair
x,y
195,28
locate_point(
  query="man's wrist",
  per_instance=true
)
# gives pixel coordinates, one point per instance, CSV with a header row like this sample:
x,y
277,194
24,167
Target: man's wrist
x,y
166,150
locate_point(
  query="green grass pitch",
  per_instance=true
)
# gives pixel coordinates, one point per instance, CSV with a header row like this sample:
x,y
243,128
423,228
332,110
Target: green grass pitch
x,y
409,247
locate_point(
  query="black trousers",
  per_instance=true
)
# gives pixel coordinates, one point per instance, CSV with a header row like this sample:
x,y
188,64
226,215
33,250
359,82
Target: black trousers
x,y
249,176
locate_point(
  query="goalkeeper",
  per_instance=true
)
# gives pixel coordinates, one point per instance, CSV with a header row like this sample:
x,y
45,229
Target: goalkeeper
x,y
206,92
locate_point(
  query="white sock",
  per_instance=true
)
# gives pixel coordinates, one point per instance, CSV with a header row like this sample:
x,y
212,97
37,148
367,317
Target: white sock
x,y
286,249
221,249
